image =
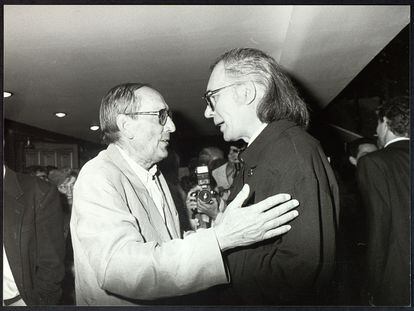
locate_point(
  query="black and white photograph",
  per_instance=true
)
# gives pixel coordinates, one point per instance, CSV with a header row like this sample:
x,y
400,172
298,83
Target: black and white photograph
x,y
206,155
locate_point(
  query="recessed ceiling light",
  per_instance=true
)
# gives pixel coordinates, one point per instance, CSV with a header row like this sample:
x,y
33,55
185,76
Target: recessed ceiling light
x,y
7,94
94,127
60,114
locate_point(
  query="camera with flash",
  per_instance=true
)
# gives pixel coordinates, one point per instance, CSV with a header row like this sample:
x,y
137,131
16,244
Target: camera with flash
x,y
203,180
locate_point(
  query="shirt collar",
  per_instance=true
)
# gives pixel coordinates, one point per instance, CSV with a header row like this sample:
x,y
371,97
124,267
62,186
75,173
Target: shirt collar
x,y
257,133
395,140
144,175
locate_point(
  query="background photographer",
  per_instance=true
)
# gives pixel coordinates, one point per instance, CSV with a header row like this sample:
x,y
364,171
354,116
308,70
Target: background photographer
x,y
202,201
225,174
220,178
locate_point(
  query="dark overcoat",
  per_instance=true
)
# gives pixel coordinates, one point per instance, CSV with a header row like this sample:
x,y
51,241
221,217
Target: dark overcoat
x,y
33,237
293,269
384,181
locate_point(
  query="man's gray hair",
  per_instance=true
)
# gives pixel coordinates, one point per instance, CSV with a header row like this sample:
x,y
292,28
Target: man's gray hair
x,y
281,99
120,99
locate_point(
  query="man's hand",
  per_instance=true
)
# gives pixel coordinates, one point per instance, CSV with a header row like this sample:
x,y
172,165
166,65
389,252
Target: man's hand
x,y
191,201
211,208
263,220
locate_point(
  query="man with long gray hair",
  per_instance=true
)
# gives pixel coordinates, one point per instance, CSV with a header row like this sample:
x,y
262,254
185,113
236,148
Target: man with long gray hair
x,y
249,97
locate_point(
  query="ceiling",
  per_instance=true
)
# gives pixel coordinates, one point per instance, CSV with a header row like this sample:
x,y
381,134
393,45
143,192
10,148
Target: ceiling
x,y
65,58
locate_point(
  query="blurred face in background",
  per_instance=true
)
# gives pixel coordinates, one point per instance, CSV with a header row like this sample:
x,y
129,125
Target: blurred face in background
x,y
66,187
233,155
364,149
42,175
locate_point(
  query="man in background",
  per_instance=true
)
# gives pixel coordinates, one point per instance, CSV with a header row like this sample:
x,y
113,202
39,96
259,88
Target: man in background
x,y
249,97
211,156
384,182
225,174
126,237
33,241
360,147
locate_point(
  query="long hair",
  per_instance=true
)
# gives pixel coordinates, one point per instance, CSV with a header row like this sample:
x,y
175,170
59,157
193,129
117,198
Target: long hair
x,y
119,99
281,99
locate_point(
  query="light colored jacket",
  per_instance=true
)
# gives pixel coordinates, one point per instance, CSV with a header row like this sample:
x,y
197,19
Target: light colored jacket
x,y
123,251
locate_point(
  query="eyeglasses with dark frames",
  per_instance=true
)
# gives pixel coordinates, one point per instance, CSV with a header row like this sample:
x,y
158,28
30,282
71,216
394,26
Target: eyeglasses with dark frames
x,y
209,95
162,114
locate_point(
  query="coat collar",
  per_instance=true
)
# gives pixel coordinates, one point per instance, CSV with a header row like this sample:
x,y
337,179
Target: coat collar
x,y
116,157
253,153
399,144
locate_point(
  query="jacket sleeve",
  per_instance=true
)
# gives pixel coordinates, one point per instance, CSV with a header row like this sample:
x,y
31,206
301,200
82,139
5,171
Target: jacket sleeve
x,y
374,193
50,245
124,258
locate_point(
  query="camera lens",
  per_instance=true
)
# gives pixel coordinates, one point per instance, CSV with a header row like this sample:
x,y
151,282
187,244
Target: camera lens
x,y
204,195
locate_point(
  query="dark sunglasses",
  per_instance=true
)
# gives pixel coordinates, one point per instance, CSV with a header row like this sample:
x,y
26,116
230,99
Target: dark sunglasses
x,y
162,114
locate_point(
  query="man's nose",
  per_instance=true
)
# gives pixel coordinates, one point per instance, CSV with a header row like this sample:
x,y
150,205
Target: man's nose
x,y
208,113
169,125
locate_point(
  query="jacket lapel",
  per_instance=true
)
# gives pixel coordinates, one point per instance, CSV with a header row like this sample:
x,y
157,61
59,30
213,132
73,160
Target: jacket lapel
x,y
141,192
170,209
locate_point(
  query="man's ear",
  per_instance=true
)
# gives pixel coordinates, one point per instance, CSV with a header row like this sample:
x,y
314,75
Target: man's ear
x,y
385,121
250,92
247,92
353,160
122,121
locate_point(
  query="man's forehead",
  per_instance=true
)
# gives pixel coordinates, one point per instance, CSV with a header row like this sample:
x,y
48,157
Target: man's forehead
x,y
150,98
217,78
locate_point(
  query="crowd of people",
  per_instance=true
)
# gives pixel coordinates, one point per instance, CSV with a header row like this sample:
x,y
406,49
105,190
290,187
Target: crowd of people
x,y
257,224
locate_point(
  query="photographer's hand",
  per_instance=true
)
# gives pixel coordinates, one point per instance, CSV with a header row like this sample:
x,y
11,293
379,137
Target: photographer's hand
x,y
191,200
243,226
211,208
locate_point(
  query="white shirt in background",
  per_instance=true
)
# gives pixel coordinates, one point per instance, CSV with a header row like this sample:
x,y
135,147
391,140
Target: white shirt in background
x,y
9,285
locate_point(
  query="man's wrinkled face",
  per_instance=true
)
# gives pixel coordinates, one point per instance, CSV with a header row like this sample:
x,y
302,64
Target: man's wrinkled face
x,y
151,139
226,114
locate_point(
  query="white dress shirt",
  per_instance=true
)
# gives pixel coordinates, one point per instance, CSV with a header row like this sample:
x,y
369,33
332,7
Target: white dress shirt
x,y
149,180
